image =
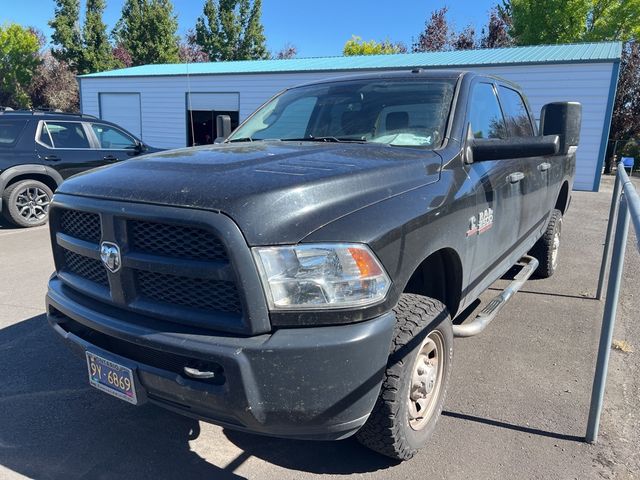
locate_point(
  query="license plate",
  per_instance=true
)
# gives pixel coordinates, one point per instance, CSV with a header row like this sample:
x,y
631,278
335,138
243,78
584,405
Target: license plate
x,y
111,377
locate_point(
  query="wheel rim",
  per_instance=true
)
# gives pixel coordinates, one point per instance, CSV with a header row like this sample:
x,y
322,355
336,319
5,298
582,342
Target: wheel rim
x,y
32,204
556,245
426,380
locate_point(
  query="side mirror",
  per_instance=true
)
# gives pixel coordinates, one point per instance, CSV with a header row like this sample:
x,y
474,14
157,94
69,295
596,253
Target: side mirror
x,y
223,128
563,119
516,147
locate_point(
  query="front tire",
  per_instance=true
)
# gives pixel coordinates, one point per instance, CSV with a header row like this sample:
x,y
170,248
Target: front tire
x,y
26,203
415,383
546,248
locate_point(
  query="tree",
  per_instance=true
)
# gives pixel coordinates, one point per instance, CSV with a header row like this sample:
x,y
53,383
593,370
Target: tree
x,y
465,40
625,122
18,61
54,85
435,36
613,20
147,31
548,21
122,55
97,53
190,51
66,36
497,32
288,51
231,30
356,46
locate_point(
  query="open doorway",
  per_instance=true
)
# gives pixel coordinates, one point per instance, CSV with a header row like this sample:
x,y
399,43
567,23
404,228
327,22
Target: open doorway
x,y
201,125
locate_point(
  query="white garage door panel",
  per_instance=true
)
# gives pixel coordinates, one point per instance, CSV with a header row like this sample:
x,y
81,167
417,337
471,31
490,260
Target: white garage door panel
x,y
214,101
122,109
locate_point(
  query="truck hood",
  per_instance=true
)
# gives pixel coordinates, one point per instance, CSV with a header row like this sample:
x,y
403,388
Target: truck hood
x,y
277,192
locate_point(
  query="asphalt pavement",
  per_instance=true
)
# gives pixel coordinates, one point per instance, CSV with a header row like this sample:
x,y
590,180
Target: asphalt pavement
x,y
517,406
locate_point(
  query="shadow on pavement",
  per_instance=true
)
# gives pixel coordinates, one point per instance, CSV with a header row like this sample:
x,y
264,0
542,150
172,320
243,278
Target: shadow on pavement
x,y
54,425
343,457
510,426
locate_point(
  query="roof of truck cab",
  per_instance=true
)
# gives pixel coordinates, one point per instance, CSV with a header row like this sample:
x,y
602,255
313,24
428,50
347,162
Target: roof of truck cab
x,y
538,54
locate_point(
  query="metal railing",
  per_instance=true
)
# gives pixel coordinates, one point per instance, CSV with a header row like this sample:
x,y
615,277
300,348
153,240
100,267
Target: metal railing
x,y
626,203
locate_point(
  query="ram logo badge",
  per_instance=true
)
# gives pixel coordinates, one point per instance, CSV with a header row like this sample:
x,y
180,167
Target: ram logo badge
x,y
110,256
481,223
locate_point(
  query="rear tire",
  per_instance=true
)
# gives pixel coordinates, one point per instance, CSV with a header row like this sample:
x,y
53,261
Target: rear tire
x,y
26,203
546,248
415,383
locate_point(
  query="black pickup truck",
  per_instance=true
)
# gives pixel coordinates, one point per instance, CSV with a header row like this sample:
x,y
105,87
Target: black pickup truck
x,y
299,280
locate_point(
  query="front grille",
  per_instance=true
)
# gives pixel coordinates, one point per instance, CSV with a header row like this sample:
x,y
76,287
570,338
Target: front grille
x,y
82,225
85,267
203,294
172,272
175,241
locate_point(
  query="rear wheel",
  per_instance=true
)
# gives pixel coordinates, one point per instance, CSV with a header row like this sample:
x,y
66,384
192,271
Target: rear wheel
x,y
415,383
546,248
26,203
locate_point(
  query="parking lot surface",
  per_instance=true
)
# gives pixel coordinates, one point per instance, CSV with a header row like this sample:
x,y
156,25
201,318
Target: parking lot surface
x,y
517,405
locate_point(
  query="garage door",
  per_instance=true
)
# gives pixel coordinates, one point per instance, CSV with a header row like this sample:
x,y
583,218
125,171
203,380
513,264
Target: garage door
x,y
122,109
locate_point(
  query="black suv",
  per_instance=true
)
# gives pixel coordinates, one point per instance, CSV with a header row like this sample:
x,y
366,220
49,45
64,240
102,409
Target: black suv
x,y
38,150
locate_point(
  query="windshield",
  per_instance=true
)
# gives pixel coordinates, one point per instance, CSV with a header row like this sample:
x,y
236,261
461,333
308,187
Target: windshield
x,y
399,112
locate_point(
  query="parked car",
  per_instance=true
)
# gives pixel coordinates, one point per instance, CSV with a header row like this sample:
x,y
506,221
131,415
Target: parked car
x,y
300,279
38,150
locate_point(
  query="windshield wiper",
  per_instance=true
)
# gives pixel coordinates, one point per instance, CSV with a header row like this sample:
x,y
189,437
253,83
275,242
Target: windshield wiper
x,y
241,139
311,138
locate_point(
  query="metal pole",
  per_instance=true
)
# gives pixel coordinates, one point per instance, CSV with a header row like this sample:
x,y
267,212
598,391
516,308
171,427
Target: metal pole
x,y
608,322
607,242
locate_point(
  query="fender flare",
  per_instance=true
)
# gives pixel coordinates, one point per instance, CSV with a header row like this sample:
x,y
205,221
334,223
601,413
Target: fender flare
x,y
10,173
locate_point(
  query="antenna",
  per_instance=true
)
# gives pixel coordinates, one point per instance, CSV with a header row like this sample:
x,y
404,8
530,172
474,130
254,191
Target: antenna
x,y
193,135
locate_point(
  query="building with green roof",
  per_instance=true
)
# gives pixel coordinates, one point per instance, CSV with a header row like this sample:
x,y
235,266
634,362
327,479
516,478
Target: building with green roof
x,y
175,105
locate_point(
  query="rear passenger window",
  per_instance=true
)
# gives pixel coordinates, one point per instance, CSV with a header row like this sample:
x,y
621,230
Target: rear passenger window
x,y
517,117
485,114
65,135
10,131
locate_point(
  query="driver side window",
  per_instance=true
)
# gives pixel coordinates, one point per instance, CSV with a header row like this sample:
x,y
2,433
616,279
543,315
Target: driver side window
x,y
485,115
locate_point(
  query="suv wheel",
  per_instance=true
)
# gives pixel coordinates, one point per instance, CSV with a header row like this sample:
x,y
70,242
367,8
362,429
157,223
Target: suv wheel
x,y
415,383
26,203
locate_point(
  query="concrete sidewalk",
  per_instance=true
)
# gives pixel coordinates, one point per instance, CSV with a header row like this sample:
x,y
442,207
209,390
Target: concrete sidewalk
x,y
517,405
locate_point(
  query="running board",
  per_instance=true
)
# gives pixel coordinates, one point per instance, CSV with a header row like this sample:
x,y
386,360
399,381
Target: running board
x,y
488,313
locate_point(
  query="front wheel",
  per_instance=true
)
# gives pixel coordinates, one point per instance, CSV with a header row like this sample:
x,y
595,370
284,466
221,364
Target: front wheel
x,y
415,384
26,203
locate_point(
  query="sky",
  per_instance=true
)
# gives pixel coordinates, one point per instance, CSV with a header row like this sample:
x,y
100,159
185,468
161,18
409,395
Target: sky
x,y
315,28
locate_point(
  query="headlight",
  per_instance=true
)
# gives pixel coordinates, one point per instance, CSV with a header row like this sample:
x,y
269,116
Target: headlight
x,y
314,276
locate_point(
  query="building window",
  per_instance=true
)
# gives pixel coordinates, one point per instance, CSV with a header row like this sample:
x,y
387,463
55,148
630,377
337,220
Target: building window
x,y
201,125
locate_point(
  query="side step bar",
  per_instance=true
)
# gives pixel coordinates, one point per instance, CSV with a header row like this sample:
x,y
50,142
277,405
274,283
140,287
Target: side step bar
x,y
488,313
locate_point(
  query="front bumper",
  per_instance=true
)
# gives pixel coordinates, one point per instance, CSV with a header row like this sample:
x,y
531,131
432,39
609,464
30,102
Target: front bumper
x,y
313,383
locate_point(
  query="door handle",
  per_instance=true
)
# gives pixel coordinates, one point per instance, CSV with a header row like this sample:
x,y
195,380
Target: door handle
x,y
543,167
52,158
515,177
110,158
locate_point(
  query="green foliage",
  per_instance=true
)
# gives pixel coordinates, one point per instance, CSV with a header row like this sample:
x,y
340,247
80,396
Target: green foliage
x,y
356,46
548,21
147,31
231,30
66,36
97,52
538,22
614,20
18,61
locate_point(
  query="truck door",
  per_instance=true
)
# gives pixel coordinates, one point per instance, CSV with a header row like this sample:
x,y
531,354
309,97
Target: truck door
x,y
535,183
493,229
